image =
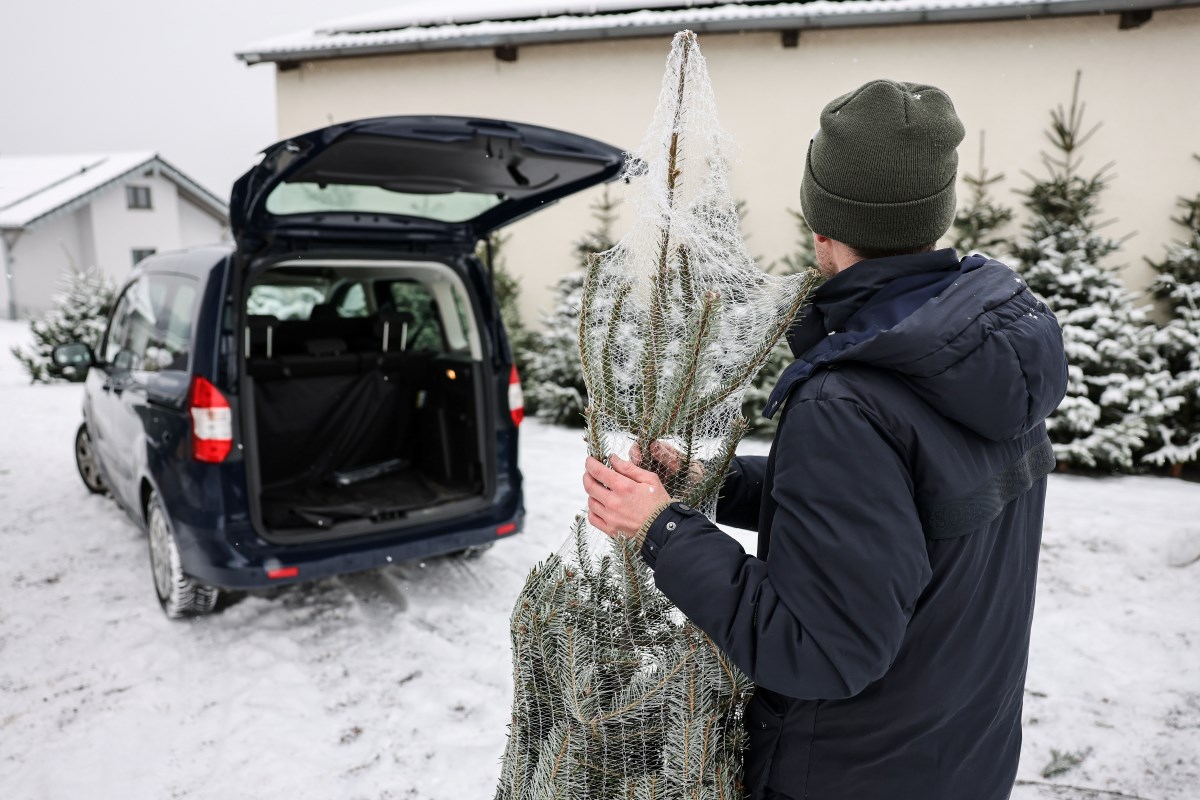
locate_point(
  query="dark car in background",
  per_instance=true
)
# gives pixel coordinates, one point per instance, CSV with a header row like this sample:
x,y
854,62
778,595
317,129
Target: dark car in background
x,y
335,391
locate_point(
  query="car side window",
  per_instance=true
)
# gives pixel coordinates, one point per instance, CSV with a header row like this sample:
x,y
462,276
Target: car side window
x,y
353,302
284,301
172,346
132,328
151,326
425,332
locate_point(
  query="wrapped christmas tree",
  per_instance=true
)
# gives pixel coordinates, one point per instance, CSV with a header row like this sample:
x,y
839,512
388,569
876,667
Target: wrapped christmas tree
x,y
615,694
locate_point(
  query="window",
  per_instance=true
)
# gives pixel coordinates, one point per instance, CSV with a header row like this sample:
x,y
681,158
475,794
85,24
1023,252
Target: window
x,y
132,328
320,198
151,327
353,302
425,332
140,254
284,301
173,345
137,197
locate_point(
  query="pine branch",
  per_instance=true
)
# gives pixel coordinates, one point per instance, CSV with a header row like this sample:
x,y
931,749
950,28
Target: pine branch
x,y
701,336
754,364
713,478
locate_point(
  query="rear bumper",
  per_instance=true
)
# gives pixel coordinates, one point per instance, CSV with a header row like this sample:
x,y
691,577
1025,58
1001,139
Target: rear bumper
x,y
222,561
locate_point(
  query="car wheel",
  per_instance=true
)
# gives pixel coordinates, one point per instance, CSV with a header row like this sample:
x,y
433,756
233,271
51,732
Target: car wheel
x,y
85,462
179,595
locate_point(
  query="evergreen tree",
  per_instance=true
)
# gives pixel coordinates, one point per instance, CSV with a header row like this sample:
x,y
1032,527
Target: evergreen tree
x,y
976,225
1178,440
615,693
78,314
553,381
803,258
1115,375
507,288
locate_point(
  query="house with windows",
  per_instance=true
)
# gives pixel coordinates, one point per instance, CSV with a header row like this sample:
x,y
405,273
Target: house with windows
x,y
593,67
111,210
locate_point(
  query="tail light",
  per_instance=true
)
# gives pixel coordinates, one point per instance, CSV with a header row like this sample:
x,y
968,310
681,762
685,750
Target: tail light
x,y
516,398
212,422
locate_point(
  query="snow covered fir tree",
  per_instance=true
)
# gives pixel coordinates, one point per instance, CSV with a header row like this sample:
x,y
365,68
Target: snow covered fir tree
x,y
1116,377
555,389
977,224
78,314
1177,440
615,693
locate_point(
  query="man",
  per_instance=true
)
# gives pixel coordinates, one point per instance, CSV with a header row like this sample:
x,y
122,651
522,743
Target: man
x,y
886,617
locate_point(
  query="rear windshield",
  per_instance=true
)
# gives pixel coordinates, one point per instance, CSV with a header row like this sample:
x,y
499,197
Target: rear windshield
x,y
317,198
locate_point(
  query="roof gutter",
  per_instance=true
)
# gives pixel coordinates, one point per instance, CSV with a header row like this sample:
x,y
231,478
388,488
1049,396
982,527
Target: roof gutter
x,y
609,26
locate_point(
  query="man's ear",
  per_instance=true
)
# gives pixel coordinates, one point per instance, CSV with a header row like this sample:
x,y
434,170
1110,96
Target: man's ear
x,y
818,238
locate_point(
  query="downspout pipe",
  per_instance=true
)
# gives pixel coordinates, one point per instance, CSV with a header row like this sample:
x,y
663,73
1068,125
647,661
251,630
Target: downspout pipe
x,y
8,240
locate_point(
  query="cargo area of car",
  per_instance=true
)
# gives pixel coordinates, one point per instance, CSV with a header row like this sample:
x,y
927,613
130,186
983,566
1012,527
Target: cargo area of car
x,y
367,397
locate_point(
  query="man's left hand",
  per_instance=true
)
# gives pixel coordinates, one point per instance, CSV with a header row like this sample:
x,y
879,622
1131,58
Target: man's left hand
x,y
621,498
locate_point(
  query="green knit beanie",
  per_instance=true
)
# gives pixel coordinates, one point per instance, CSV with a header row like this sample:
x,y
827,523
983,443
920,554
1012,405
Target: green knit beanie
x,y
881,169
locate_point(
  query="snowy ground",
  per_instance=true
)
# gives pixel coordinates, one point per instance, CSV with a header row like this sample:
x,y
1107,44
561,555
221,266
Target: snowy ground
x,y
396,684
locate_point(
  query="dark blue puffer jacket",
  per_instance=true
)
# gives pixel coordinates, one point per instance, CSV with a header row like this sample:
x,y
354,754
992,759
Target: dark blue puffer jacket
x,y
886,616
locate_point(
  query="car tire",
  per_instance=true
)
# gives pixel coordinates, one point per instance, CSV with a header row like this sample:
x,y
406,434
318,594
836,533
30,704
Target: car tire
x,y
86,463
179,595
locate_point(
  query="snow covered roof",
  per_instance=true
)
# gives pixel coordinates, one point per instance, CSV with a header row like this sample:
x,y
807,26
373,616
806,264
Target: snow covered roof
x,y
34,188
462,24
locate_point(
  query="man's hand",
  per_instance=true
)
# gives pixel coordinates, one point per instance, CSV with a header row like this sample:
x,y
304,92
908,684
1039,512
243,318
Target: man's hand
x,y
620,499
669,458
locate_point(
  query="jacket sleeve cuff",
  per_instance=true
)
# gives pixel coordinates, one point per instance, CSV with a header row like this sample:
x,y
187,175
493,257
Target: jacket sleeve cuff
x,y
663,527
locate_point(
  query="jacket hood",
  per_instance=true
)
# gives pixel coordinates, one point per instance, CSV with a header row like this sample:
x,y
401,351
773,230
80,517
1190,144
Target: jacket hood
x,y
968,337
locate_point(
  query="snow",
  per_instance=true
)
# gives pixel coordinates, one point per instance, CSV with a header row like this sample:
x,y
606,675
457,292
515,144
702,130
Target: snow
x,y
396,684
458,23
33,186
449,12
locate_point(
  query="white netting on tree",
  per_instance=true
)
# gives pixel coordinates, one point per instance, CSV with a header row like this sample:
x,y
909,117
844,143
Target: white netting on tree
x,y
616,695
677,318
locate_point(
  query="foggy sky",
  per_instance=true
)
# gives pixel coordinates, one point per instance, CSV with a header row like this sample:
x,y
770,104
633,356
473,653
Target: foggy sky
x,y
86,76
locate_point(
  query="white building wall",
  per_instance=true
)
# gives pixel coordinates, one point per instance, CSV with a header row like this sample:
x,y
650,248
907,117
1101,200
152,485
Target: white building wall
x,y
1004,77
118,230
105,232
197,226
40,256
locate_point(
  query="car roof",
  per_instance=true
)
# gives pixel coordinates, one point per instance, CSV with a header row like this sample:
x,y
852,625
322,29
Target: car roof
x,y
196,262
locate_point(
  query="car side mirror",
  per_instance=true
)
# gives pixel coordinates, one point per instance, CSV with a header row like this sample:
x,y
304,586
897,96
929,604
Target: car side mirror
x,y
73,359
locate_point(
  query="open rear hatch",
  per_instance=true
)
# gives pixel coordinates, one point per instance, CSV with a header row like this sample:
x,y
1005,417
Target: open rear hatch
x,y
419,178
369,401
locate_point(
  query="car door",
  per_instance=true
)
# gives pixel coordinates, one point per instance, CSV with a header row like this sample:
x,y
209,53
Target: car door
x,y
152,387
107,383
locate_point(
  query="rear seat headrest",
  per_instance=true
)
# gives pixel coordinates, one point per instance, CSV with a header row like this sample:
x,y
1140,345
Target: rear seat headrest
x,y
259,328
394,320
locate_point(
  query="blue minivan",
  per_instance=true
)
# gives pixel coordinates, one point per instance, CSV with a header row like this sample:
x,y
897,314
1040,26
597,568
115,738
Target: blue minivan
x,y
335,391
